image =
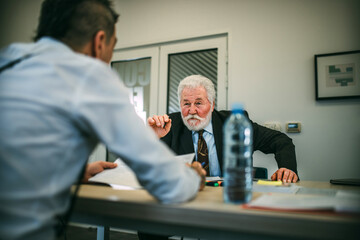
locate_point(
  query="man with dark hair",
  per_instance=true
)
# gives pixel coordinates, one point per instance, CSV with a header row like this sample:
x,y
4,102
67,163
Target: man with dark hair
x,y
58,100
76,23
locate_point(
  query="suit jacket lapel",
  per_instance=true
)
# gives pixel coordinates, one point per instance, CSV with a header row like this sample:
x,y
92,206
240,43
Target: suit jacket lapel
x,y
182,137
186,141
217,124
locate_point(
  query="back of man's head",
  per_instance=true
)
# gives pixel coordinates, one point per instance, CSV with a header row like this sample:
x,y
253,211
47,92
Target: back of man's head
x,y
75,22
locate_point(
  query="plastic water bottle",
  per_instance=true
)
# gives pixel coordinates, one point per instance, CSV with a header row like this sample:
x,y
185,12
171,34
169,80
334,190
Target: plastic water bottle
x,y
237,157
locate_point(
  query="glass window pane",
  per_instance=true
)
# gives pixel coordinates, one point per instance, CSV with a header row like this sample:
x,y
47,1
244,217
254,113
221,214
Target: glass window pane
x,y
136,76
181,65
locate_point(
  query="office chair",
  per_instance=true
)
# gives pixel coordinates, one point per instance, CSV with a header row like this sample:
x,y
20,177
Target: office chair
x,y
260,173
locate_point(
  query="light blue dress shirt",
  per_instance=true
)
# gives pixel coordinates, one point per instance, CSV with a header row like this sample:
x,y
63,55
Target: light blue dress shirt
x,y
55,106
214,167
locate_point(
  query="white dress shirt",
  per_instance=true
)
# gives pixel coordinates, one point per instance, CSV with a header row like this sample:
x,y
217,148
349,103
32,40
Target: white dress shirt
x,y
55,106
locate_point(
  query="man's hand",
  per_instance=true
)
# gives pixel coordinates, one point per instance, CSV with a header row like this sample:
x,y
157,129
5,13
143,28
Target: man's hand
x,y
160,124
94,168
285,175
200,171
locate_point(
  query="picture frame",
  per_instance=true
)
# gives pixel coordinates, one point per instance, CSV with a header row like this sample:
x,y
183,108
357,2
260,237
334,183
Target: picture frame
x,y
337,75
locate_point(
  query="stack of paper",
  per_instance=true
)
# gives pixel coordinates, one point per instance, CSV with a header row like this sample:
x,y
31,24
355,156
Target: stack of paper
x,y
305,199
122,177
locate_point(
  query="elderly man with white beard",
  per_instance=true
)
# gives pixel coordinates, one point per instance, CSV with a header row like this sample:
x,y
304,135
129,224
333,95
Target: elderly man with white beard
x,y
180,131
197,103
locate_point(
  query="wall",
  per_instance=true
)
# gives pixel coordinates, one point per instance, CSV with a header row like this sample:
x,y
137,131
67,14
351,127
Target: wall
x,y
18,20
272,44
271,53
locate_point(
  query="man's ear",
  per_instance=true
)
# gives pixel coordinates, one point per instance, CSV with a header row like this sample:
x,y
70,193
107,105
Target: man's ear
x,y
99,44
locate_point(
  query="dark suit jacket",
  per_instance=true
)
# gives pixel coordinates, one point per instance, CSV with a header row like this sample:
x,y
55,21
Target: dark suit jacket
x,y
179,139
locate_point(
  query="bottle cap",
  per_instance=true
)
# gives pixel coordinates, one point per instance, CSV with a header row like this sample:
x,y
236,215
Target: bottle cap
x,y
237,107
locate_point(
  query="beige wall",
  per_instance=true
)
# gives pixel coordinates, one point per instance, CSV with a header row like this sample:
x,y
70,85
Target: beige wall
x,y
272,44
18,20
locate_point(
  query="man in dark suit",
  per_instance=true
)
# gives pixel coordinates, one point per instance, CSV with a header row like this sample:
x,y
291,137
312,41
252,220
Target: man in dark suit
x,y
180,132
197,99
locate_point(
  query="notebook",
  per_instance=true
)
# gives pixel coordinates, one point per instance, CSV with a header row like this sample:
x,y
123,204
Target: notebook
x,y
346,181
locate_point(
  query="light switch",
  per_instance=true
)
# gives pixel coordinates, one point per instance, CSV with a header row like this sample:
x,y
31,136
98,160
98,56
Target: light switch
x,y
293,127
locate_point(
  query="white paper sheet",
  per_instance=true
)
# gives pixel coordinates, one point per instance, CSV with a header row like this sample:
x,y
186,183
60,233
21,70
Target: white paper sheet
x,y
346,201
342,201
123,178
275,189
293,202
186,158
214,178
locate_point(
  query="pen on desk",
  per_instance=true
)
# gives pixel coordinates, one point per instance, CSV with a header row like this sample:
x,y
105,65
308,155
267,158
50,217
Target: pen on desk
x,y
212,183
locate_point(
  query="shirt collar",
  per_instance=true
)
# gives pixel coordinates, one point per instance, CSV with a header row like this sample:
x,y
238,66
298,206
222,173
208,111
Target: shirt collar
x,y
208,129
49,41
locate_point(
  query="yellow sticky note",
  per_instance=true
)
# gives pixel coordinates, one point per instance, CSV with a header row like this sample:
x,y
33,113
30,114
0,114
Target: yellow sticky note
x,y
272,183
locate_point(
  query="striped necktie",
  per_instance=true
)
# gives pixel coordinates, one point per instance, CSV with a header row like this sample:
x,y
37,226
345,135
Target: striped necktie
x,y
202,153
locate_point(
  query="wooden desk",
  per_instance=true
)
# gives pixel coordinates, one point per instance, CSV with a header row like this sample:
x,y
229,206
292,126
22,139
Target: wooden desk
x,y
208,217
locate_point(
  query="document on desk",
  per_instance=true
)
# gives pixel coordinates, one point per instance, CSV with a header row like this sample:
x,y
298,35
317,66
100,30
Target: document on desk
x,y
293,202
123,178
347,201
340,201
186,158
290,188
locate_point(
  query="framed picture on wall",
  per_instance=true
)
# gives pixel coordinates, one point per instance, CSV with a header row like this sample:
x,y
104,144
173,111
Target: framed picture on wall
x,y
337,75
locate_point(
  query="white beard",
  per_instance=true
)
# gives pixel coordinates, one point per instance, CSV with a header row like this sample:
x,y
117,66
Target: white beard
x,y
194,119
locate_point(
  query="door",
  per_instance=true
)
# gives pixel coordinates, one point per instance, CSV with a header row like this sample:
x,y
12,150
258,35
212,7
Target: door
x,y
207,57
138,69
152,72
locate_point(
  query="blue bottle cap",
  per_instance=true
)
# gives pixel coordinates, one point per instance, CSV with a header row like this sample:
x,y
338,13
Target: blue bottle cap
x,y
237,107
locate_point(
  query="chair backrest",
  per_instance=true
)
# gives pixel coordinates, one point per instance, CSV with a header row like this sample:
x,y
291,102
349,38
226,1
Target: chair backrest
x,y
260,173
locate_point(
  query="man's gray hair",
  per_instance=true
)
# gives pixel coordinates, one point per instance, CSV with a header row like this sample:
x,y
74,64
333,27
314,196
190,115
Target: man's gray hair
x,y
194,81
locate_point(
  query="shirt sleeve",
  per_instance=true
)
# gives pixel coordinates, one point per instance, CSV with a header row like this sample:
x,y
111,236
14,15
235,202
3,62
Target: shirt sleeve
x,y
103,109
